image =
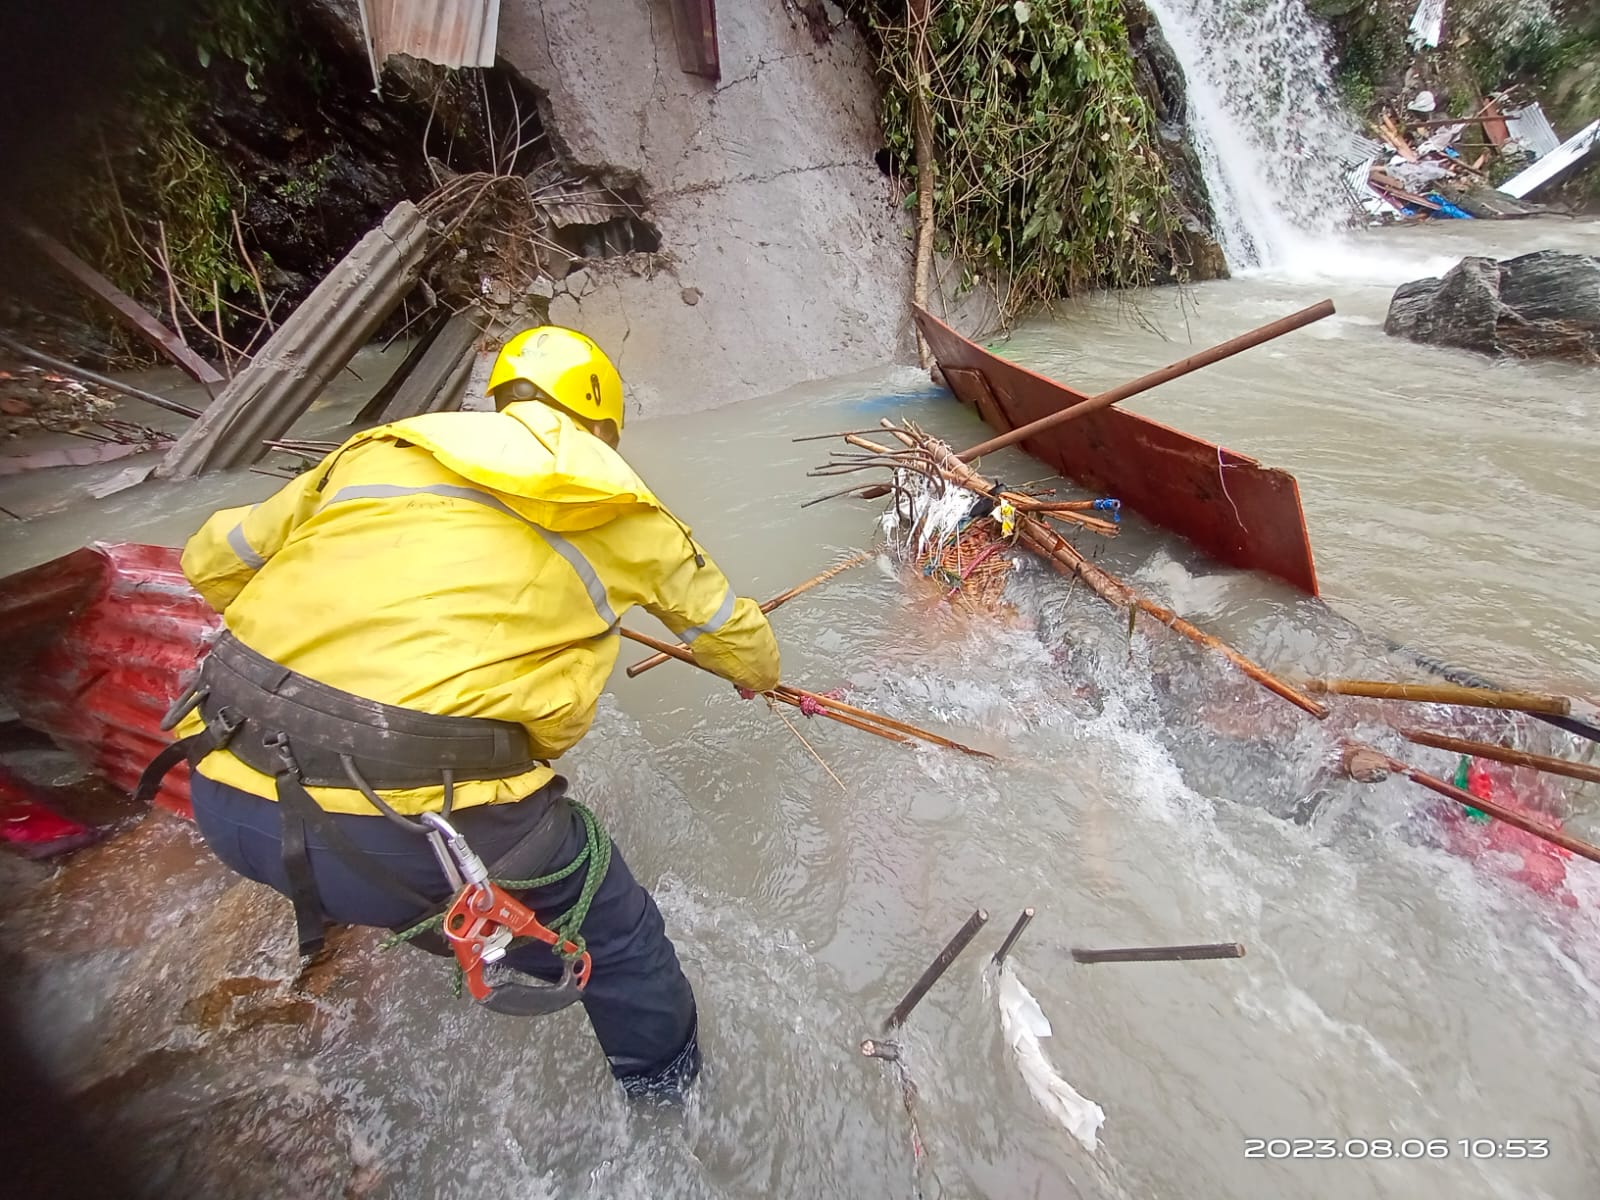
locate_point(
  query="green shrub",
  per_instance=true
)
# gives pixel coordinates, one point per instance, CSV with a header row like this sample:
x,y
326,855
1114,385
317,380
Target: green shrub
x,y
1047,172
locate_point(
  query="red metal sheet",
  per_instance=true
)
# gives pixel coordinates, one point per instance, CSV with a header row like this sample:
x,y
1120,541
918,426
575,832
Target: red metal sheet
x,y
1229,505
104,638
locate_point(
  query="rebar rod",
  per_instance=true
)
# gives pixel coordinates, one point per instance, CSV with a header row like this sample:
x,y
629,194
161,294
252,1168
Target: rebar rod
x,y
936,968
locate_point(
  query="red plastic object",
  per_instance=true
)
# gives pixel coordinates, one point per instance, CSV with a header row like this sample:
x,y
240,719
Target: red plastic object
x,y
31,827
99,643
1229,505
1539,864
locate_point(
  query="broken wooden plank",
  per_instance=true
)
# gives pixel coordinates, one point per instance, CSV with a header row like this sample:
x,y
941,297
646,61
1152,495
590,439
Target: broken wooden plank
x,y
127,309
26,351
438,379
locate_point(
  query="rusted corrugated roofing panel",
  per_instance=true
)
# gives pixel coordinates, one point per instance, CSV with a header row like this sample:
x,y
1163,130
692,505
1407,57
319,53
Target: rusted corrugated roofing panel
x,y
453,33
99,643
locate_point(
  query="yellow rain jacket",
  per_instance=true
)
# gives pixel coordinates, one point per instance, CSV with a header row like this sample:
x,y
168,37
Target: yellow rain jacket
x,y
472,565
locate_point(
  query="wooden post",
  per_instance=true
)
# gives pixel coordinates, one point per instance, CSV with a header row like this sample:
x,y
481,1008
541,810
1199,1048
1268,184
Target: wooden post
x,y
127,309
1145,382
919,12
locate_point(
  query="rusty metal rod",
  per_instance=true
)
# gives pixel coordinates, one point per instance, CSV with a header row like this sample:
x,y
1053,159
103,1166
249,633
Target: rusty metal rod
x,y
938,967
1517,758
778,601
1011,938
1066,559
1160,953
1144,383
1444,693
1466,799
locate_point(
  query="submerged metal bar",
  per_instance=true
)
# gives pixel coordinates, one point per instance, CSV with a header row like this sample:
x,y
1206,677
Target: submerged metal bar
x,y
1011,938
1160,953
937,968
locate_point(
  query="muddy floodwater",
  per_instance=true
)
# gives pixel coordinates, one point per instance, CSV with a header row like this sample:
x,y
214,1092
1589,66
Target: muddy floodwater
x,y
1405,1009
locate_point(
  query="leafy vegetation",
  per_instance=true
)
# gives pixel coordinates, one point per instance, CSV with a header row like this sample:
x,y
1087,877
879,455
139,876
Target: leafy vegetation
x,y
157,214
1047,173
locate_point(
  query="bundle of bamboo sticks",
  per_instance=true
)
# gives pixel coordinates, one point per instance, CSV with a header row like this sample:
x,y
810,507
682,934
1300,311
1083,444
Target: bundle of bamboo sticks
x,y
921,457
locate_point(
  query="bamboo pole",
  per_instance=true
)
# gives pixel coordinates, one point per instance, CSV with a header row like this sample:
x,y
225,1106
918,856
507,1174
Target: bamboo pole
x,y
834,710
1517,758
922,148
837,707
778,601
1499,812
1144,383
22,350
1444,693
1061,554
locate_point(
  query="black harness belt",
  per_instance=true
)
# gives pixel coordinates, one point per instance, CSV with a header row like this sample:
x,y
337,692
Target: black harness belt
x,y
305,733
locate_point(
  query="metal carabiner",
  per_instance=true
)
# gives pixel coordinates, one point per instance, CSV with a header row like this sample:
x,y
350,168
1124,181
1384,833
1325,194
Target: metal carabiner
x,y
460,861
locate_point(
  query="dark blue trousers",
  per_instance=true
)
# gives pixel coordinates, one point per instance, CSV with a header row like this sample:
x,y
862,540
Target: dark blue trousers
x,y
637,1000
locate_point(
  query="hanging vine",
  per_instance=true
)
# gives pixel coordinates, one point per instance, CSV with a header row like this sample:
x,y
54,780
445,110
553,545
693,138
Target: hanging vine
x,y
1047,175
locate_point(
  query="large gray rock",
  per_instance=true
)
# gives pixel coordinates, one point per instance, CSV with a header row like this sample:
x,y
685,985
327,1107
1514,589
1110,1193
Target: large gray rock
x,y
1541,305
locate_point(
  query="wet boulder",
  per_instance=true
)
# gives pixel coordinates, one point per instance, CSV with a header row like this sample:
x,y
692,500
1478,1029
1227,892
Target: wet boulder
x,y
1541,305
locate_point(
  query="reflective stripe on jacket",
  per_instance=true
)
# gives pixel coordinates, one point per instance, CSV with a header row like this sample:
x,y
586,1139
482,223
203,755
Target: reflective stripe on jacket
x,y
467,564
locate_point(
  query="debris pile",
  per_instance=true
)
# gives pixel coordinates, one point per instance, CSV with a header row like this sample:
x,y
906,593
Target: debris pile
x,y
1422,166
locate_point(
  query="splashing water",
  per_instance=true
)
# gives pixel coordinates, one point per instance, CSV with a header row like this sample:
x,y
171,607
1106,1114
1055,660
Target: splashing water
x,y
1266,121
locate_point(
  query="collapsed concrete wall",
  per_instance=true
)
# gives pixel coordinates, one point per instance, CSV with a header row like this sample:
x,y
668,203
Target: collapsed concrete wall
x,y
784,256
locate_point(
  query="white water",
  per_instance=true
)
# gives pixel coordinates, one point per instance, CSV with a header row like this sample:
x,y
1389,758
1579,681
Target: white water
x,y
1267,124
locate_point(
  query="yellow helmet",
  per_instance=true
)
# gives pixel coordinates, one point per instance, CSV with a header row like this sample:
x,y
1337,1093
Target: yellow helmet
x,y
565,368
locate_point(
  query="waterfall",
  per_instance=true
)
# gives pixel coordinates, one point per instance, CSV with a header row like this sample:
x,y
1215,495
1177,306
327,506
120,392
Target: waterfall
x,y
1266,121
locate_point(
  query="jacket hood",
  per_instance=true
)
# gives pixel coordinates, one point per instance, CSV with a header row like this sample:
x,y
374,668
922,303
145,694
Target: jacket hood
x,y
556,474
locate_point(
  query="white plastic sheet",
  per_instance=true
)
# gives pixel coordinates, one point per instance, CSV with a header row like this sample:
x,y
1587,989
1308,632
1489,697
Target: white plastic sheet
x,y
1023,1022
1427,24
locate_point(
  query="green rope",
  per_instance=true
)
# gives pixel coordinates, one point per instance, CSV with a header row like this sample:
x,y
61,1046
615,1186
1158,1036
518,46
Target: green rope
x,y
596,853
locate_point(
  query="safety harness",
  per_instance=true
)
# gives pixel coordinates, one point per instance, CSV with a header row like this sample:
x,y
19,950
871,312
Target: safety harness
x,y
307,734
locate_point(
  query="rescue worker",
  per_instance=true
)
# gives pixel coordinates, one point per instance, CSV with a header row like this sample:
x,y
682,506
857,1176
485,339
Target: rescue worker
x,y
418,625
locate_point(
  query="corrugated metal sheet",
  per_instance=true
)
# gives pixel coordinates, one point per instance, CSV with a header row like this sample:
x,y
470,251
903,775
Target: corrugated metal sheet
x,y
453,33
308,349
99,642
1532,128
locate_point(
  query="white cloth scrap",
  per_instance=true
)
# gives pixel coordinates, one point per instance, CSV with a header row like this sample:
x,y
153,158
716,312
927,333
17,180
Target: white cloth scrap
x,y
1023,1023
